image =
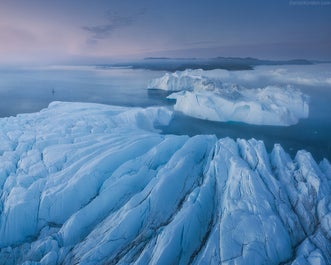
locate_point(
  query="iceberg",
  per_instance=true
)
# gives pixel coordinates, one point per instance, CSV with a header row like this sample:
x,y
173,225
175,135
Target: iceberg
x,y
208,95
302,75
87,183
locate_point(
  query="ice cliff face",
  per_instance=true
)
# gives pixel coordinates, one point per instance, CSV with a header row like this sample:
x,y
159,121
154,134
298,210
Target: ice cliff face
x,y
216,95
95,184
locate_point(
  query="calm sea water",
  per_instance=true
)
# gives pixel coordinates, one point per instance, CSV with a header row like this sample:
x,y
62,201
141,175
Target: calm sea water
x,y
30,90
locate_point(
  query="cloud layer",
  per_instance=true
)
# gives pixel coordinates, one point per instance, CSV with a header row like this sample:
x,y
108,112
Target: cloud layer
x,y
48,30
114,21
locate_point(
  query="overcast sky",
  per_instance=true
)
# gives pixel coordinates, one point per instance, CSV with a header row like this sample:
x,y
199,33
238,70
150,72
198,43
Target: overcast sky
x,y
94,31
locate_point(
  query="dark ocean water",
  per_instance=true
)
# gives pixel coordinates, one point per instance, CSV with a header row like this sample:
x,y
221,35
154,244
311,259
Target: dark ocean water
x,y
30,90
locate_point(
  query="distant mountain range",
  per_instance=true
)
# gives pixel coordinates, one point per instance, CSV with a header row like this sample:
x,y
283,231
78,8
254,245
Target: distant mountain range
x,y
228,63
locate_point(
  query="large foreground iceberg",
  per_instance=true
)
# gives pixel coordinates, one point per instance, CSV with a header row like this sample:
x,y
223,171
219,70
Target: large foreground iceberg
x,y
95,184
212,95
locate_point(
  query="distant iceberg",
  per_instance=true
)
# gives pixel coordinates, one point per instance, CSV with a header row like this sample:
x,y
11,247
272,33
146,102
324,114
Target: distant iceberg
x,y
210,95
95,184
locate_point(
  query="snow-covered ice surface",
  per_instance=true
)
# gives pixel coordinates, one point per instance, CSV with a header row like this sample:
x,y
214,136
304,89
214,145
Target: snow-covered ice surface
x,y
220,95
95,184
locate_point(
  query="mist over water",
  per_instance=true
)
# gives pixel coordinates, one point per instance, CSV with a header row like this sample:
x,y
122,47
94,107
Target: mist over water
x,y
30,90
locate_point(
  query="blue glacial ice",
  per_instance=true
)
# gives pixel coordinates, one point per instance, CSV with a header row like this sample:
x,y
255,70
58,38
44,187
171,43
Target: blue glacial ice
x,y
94,184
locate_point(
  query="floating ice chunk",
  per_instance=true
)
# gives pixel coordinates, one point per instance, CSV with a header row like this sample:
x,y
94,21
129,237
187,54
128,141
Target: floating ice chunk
x,y
268,106
261,76
204,95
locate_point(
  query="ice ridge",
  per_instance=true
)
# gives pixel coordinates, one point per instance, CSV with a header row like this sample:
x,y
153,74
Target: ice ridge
x,y
94,184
